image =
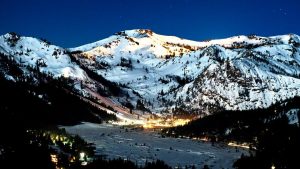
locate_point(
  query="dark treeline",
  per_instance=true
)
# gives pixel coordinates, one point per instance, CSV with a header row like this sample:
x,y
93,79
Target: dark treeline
x,y
277,146
268,130
41,99
120,163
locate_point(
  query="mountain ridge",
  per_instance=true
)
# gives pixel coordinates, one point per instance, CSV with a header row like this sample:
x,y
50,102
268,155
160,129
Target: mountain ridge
x,y
169,75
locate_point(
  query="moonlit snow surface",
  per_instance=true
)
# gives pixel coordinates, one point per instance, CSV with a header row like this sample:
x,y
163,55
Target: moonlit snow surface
x,y
140,146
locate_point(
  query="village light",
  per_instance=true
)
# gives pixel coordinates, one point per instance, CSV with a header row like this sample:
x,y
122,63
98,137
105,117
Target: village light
x,y
273,166
84,163
81,156
54,158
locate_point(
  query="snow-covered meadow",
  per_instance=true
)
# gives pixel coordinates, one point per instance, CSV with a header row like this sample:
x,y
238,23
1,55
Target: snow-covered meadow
x,y
141,146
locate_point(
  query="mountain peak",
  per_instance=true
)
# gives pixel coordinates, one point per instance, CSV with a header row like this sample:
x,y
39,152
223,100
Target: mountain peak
x,y
136,33
11,34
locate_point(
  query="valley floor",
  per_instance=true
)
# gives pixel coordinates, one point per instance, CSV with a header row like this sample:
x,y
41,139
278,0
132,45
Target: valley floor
x,y
140,146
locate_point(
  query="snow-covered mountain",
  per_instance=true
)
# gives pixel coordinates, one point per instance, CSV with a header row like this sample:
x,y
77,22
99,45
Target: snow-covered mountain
x,y
33,52
159,73
164,72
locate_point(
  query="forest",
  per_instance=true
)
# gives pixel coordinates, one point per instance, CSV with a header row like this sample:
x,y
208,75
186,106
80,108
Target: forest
x,y
272,139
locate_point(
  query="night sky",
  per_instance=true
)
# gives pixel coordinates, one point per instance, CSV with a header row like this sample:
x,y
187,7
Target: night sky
x,y
71,23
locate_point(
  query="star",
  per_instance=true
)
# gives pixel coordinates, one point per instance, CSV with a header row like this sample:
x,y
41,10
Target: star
x,y
283,11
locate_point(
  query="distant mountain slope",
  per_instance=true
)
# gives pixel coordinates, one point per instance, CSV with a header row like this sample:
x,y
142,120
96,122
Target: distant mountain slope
x,y
34,52
242,72
135,72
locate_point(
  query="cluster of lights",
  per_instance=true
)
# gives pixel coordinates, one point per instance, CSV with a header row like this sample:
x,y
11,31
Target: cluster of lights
x,y
243,145
162,123
56,138
82,158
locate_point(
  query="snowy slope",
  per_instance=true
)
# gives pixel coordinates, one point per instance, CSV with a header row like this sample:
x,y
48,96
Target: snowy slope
x,y
31,52
164,72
